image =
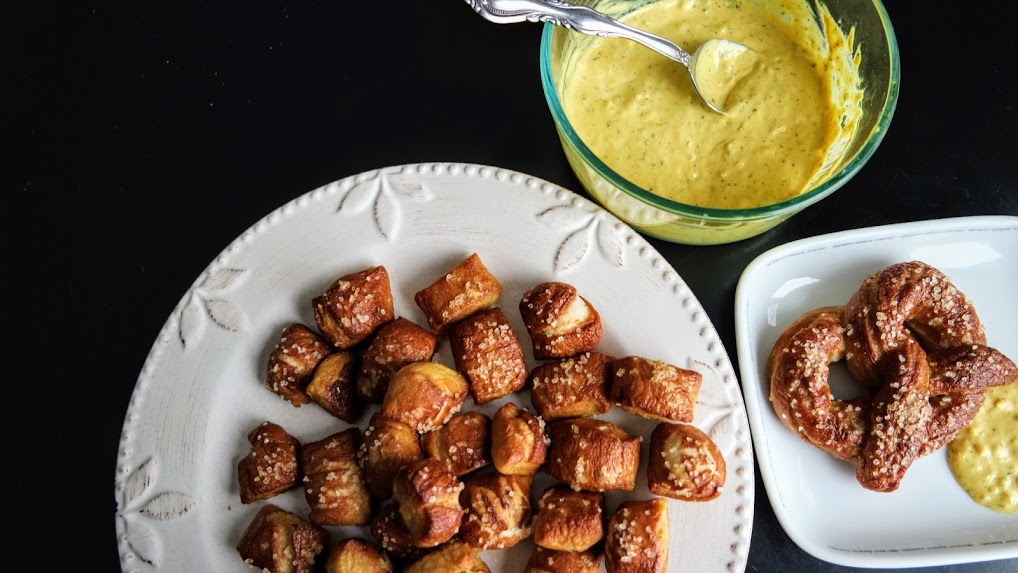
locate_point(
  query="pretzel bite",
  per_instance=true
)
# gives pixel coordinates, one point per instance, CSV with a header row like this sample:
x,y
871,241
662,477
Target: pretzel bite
x,y
550,561
354,555
332,386
462,443
428,497
637,540
453,557
334,486
388,445
561,323
272,467
354,307
467,288
395,345
498,510
489,354
277,540
569,520
388,529
684,463
293,360
654,389
424,395
593,455
519,444
572,387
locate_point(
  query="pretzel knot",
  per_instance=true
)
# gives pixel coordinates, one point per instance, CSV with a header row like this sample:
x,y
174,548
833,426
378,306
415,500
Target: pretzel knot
x,y
916,342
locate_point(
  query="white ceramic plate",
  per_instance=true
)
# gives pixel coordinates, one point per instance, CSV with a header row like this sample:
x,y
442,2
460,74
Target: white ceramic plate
x,y
203,386
930,520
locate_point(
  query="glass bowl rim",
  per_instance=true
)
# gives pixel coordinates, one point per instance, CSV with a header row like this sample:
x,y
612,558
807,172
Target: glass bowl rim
x,y
792,205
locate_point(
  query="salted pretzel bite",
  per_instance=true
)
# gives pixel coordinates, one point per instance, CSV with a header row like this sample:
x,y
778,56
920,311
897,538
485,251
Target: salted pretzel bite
x,y
293,360
277,540
575,386
424,395
550,561
497,510
272,467
387,446
654,389
684,463
569,520
465,289
427,494
334,485
332,386
393,346
519,442
354,307
355,555
637,540
561,323
488,353
462,443
593,455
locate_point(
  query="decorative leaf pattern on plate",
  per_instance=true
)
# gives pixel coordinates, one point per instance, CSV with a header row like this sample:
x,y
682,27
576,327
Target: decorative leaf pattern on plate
x,y
380,192
140,538
589,228
223,313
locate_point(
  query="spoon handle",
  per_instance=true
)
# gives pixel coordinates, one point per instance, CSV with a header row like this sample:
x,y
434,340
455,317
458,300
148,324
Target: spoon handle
x,y
576,17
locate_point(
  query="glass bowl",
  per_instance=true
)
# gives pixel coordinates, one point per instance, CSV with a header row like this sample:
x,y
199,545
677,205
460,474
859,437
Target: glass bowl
x,y
864,22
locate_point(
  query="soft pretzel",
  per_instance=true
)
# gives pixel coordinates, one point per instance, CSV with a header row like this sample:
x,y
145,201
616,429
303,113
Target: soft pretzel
x,y
917,341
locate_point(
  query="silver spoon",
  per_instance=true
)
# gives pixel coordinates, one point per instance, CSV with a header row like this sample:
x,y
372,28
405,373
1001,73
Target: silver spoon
x,y
701,64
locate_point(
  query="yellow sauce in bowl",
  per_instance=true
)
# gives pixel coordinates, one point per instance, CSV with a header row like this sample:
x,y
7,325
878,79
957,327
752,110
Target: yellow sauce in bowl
x,y
984,456
790,116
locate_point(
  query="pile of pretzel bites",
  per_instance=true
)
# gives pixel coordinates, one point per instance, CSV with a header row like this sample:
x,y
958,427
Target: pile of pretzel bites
x,y
916,343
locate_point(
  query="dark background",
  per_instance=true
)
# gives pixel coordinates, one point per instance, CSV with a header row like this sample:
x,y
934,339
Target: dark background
x,y
140,138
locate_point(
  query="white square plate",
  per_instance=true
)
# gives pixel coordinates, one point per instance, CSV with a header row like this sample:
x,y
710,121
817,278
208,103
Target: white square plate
x,y
930,520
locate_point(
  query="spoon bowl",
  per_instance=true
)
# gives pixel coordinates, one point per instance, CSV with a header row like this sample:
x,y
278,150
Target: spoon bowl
x,y
713,67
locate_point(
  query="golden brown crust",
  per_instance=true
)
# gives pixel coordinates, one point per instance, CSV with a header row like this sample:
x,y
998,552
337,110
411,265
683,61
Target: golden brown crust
x,y
272,467
277,540
452,557
684,463
572,387
332,386
388,529
497,510
549,561
354,307
465,289
519,444
334,486
654,389
388,445
393,346
488,353
637,540
569,520
428,497
561,323
354,555
293,360
462,443
593,455
424,395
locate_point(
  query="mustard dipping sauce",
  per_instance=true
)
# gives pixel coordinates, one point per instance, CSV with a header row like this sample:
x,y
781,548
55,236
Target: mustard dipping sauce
x,y
984,456
791,113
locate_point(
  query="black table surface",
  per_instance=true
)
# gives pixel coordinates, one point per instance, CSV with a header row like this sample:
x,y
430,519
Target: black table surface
x,y
141,138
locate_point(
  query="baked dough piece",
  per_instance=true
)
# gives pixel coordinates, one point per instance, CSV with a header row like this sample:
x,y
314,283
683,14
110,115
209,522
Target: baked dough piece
x,y
332,386
354,307
387,527
519,444
593,455
569,520
277,540
462,443
466,288
453,557
293,360
561,323
388,445
395,345
549,561
498,510
572,387
272,467
354,555
489,354
655,389
334,485
684,463
428,497
637,540
424,395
